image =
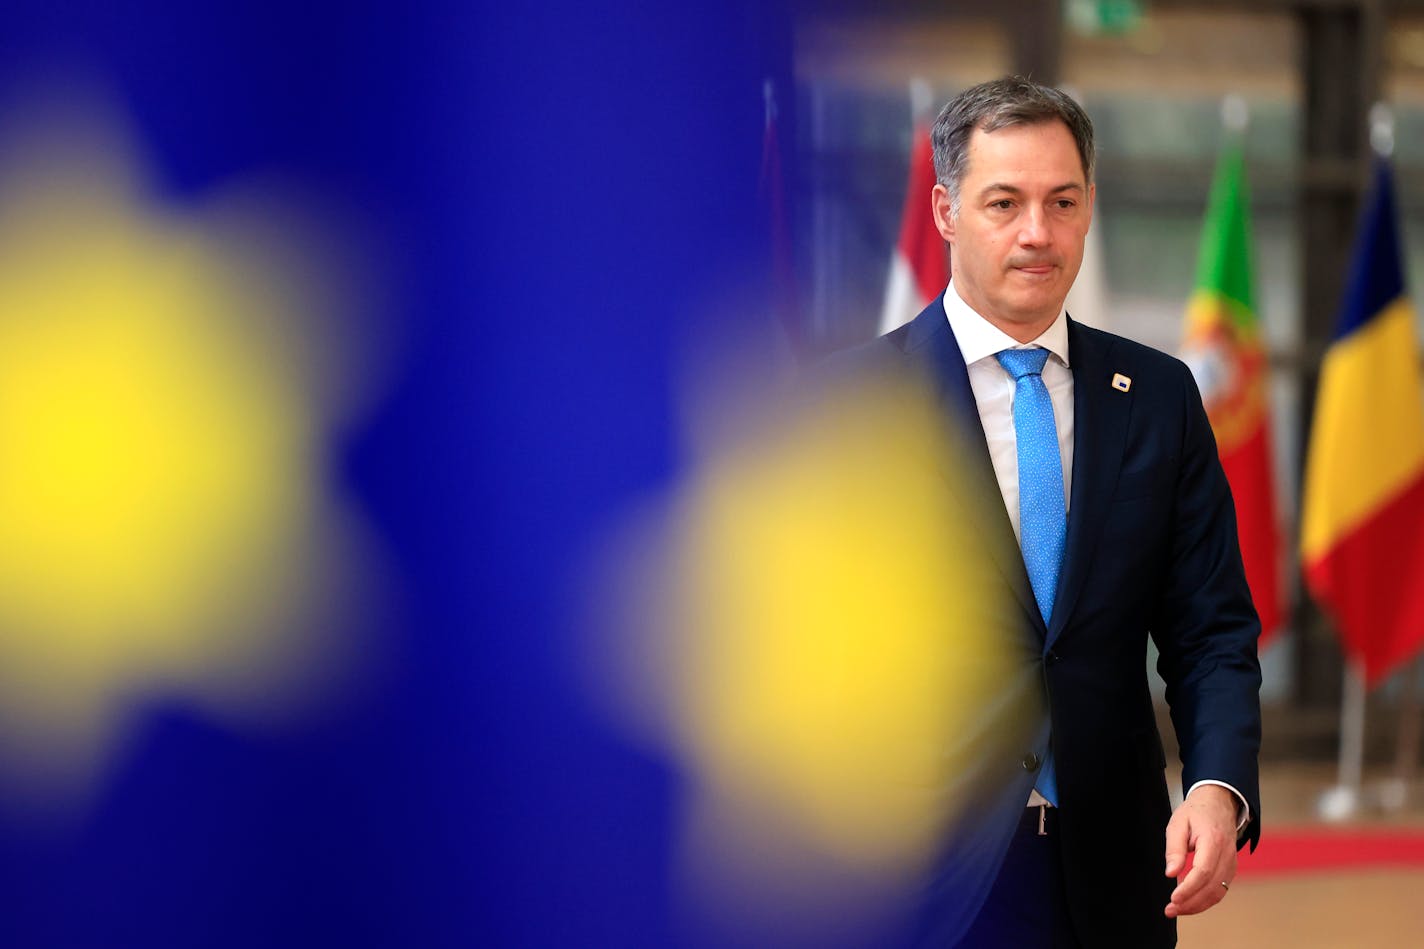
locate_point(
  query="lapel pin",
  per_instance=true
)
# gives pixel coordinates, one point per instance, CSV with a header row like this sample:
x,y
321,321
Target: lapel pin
x,y
1120,382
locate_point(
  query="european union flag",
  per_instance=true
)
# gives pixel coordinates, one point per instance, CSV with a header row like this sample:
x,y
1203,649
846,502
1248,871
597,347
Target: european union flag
x,y
331,338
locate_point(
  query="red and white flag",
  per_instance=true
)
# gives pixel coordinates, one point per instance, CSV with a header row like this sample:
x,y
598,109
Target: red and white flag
x,y
919,268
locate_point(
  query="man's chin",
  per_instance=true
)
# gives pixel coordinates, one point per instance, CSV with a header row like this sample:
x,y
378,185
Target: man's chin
x,y
1033,307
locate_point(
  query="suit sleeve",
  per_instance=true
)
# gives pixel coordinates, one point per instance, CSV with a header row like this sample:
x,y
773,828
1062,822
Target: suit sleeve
x,y
1206,628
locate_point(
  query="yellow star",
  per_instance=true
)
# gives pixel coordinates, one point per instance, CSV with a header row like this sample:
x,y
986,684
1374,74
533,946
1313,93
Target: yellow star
x,y
164,519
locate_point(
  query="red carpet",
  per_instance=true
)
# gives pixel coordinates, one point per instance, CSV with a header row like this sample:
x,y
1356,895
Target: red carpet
x,y
1304,849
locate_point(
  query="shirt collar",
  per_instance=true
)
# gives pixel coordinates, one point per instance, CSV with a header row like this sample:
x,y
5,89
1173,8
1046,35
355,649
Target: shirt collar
x,y
978,338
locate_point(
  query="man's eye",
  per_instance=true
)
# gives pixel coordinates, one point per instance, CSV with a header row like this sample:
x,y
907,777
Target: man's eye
x,y
1066,203
1002,204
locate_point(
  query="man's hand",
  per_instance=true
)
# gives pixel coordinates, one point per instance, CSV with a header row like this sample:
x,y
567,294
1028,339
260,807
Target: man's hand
x,y
1205,825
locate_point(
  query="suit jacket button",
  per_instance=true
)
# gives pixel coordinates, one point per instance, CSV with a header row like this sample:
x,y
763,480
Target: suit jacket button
x,y
1051,657
1031,761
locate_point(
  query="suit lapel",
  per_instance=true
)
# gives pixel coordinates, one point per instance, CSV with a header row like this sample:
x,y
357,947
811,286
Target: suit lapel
x,y
932,350
1100,417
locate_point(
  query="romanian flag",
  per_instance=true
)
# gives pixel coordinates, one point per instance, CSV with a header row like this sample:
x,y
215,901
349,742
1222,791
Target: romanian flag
x,y
919,269
1224,349
1362,543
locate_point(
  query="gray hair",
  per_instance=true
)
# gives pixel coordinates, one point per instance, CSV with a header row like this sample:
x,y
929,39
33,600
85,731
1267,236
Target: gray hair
x,y
997,104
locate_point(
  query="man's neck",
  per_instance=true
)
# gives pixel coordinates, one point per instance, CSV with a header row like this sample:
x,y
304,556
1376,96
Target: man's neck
x,y
1017,330
1022,332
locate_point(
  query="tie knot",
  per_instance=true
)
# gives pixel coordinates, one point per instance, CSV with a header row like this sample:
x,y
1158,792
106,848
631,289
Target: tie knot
x,y
1022,362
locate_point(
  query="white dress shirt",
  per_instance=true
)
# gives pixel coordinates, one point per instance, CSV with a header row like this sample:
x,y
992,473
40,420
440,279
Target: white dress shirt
x,y
979,341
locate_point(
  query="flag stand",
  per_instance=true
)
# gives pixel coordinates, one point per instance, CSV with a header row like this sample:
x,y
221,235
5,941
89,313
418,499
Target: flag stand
x,y
1343,801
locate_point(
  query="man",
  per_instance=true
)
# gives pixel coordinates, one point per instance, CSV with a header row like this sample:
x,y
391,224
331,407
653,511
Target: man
x,y
1118,524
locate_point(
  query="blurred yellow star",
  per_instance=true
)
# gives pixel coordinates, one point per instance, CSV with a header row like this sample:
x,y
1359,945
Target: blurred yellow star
x,y
163,516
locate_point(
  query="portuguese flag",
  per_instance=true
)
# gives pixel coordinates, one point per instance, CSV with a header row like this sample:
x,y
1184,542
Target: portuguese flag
x,y
1224,348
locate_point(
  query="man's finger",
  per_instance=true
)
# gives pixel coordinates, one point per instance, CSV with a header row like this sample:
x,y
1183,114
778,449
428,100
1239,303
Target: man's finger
x,y
1176,845
1196,893
1204,865
1200,903
1202,889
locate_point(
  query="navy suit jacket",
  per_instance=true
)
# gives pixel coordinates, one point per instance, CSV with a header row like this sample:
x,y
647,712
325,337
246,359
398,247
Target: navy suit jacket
x,y
1151,551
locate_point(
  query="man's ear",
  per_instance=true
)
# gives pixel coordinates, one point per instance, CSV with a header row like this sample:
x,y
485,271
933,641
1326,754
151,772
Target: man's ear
x,y
940,210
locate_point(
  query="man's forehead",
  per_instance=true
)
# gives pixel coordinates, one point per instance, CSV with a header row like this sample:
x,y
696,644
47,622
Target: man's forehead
x,y
983,136
1012,188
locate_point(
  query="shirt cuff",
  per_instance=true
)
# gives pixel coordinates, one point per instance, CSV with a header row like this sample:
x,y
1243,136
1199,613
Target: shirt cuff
x,y
1243,810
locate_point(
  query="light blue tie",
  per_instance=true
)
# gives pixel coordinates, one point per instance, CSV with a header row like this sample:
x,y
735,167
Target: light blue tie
x,y
1043,519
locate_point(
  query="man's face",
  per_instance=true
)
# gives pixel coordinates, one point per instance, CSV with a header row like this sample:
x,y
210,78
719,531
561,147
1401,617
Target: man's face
x,y
1024,210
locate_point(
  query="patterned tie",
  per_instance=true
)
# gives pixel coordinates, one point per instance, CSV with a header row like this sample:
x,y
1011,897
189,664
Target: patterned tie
x,y
1043,520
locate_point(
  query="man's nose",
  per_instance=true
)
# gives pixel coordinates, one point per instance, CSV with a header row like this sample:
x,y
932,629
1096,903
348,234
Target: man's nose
x,y
1033,228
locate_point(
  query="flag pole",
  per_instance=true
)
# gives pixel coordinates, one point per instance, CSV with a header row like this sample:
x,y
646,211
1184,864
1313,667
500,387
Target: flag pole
x,y
1395,793
921,100
1235,114
919,264
1343,800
